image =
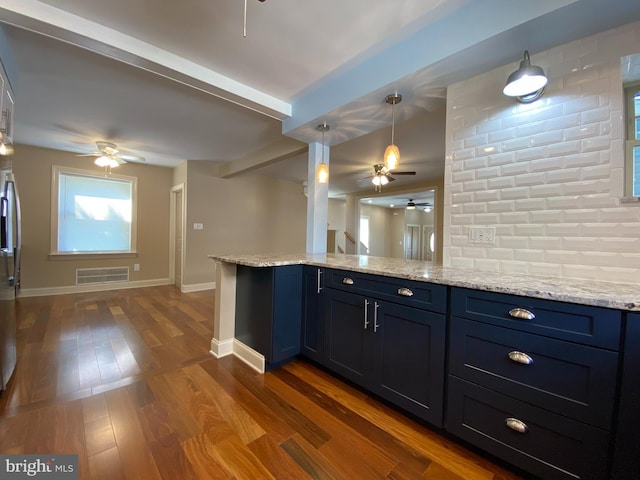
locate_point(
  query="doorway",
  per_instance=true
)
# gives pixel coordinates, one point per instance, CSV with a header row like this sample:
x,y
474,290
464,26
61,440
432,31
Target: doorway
x,y
176,241
412,242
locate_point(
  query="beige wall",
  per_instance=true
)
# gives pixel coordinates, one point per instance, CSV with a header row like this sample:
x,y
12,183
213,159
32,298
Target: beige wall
x,y
379,229
548,176
32,167
253,214
336,218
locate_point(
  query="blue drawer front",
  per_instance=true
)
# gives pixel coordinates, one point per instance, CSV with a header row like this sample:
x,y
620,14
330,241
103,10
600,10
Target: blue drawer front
x,y
576,323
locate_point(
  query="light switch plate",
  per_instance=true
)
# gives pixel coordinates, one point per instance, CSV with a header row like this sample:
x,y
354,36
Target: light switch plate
x,y
198,226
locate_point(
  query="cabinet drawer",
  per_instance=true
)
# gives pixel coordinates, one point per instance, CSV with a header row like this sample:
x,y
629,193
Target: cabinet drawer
x,y
553,447
577,323
423,295
575,380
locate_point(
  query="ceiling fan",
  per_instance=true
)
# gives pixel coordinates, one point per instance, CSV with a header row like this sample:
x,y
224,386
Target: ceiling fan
x,y
382,175
411,205
108,155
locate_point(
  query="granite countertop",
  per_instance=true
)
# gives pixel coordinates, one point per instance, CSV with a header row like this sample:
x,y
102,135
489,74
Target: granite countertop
x,y
586,292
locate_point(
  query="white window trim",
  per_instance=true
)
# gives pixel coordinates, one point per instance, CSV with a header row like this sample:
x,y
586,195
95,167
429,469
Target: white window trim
x,y
53,247
630,141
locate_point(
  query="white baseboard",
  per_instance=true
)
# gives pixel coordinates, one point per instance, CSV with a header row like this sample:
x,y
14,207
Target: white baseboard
x,y
198,287
221,349
249,356
98,287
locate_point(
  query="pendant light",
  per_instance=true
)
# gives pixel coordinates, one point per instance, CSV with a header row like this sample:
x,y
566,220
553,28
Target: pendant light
x,y
322,173
527,83
392,154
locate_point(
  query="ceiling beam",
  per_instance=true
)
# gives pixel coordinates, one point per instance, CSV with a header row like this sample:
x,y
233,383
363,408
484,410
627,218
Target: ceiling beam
x,y
281,150
59,24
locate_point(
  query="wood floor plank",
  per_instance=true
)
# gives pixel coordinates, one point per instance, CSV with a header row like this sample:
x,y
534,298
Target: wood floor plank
x,y
233,414
294,418
336,417
135,455
204,459
106,465
107,376
461,462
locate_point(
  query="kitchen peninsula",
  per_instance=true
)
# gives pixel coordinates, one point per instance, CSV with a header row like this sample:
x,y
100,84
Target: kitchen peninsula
x,y
539,371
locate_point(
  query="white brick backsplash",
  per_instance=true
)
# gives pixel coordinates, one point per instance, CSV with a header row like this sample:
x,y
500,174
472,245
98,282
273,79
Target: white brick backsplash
x,y
545,243
545,164
512,169
546,269
564,148
582,159
487,218
595,172
529,179
580,215
502,158
487,196
501,183
500,206
547,176
585,187
487,265
514,193
583,131
565,121
596,115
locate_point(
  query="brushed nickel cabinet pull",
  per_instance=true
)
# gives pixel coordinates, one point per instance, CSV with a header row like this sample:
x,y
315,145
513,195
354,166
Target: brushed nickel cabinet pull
x,y
366,313
375,317
516,425
347,281
319,273
520,357
405,292
521,314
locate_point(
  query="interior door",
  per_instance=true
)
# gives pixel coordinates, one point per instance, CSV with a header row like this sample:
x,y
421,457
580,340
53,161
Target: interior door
x,y
412,242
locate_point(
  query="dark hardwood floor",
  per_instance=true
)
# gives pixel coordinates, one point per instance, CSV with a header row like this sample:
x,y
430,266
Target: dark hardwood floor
x,y
125,380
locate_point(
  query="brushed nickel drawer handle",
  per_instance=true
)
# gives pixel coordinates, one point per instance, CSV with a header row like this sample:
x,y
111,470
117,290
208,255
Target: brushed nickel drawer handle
x,y
520,357
405,292
516,425
347,281
521,313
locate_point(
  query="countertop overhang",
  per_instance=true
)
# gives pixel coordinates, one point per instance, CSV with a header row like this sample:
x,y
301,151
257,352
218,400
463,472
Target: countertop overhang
x,y
620,296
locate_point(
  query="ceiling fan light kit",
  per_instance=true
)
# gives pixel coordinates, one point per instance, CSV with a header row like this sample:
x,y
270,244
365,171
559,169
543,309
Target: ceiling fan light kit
x,y
392,153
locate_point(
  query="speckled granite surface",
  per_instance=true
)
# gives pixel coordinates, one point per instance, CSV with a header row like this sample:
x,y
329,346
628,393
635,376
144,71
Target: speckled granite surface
x,y
587,292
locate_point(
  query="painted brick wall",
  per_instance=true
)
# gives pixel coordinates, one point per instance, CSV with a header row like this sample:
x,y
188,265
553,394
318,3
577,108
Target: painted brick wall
x,y
548,176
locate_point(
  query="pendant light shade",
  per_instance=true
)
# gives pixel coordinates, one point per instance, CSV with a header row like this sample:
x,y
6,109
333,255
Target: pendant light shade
x,y
527,83
392,153
322,172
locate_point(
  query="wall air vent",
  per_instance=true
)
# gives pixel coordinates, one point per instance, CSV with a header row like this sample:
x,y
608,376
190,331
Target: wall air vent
x,y
88,276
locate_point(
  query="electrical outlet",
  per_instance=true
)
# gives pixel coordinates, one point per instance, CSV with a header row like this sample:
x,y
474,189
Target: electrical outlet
x,y
483,235
136,267
198,226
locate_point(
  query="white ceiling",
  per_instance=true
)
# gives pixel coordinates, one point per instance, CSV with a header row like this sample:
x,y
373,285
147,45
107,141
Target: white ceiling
x,y
175,81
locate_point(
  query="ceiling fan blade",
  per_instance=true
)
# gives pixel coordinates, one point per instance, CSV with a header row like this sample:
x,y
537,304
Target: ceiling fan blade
x,y
96,154
132,158
403,173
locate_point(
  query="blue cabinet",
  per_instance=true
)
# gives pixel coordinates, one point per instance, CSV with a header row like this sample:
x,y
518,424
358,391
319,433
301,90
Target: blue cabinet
x,y
379,335
626,452
534,382
312,333
269,311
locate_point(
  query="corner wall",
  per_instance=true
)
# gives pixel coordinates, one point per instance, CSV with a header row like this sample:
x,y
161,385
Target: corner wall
x,y
549,175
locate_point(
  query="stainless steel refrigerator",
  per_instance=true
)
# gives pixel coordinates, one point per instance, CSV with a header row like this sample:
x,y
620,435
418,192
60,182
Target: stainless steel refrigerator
x,y
10,250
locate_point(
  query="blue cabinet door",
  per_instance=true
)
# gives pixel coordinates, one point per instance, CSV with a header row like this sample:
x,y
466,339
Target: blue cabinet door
x,y
312,335
409,359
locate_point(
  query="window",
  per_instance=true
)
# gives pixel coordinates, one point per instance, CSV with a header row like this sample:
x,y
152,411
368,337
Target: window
x,y
632,151
364,235
92,213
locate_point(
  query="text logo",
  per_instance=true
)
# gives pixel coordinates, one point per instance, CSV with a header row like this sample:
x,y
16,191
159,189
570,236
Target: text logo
x,y
50,467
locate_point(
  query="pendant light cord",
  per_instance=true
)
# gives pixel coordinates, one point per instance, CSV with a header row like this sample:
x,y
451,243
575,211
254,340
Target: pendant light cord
x,y
393,121
244,29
